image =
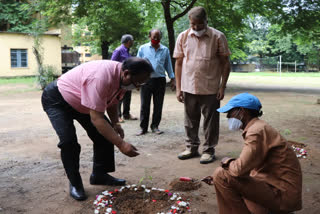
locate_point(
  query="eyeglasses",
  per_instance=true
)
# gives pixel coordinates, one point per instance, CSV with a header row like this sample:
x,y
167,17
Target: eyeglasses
x,y
137,84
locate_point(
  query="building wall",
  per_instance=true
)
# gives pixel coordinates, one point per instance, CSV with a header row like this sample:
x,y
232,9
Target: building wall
x,y
85,54
51,47
65,32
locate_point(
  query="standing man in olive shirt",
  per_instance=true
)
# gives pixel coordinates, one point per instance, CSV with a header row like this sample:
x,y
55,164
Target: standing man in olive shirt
x,y
202,70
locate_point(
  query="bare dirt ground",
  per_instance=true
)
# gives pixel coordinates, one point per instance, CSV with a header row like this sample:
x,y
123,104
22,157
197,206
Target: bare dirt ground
x,y
32,179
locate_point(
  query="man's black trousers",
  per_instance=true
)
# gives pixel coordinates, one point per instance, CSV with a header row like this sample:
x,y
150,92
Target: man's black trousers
x,y
62,117
126,105
155,87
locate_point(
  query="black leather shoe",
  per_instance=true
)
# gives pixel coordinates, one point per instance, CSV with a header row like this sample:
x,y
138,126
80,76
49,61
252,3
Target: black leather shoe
x,y
106,179
77,193
141,132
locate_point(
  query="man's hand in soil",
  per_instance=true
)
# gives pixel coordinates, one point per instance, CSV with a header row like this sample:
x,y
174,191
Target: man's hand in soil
x,y
128,149
208,180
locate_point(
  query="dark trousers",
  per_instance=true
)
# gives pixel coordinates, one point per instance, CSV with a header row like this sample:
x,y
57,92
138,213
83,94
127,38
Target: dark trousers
x,y
126,105
62,116
155,87
194,105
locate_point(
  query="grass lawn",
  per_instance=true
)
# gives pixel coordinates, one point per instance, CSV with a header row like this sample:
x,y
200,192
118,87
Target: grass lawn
x,y
18,80
17,85
277,74
300,80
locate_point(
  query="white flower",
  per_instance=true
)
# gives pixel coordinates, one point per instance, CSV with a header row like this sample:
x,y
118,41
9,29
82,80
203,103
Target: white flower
x,y
182,204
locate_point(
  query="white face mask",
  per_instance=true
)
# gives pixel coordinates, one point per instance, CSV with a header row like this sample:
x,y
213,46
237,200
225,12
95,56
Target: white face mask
x,y
199,33
128,87
234,124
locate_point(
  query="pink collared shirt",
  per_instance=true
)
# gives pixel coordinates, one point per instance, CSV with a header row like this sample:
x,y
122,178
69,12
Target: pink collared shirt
x,y
93,85
201,70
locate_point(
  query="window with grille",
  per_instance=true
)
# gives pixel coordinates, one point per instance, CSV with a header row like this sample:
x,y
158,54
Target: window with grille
x,y
19,58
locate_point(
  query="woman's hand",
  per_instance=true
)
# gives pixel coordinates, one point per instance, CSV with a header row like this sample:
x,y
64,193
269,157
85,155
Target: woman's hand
x,y
208,180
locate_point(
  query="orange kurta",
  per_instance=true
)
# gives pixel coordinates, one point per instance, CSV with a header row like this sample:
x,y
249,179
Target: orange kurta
x,y
266,159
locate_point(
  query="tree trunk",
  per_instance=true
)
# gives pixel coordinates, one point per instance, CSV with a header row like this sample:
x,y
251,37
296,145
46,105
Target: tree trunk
x,y
260,62
169,21
170,29
318,59
105,49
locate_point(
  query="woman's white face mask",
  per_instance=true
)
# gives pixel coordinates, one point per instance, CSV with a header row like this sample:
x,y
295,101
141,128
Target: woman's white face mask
x,y
234,123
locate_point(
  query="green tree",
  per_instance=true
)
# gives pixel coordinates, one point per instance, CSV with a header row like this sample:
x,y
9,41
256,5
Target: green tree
x,y
269,40
108,23
15,16
107,20
227,17
299,17
173,10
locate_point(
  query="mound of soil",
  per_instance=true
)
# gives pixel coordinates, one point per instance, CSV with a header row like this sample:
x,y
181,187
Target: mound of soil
x,y
178,185
140,200
296,144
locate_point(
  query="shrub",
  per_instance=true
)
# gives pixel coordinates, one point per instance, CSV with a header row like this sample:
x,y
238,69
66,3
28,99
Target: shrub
x,y
47,74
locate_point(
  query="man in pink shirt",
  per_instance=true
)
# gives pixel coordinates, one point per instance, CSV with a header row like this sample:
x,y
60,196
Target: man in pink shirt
x,y
84,94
